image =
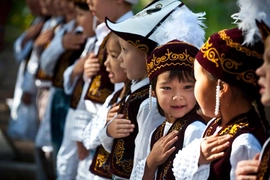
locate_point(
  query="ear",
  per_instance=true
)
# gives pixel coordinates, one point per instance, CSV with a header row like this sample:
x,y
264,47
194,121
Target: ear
x,y
223,88
153,94
264,29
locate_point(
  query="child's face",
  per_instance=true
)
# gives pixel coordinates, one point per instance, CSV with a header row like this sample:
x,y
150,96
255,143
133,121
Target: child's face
x,y
34,6
46,7
264,73
85,19
103,8
205,90
133,61
112,63
65,7
174,97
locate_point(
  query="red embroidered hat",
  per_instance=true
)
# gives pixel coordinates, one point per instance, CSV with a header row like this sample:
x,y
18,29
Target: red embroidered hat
x,y
226,57
174,55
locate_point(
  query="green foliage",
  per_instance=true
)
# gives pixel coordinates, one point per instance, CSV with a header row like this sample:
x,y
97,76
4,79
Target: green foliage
x,y
20,16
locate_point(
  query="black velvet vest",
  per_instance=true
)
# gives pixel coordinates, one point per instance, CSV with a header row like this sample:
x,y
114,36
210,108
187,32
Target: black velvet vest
x,y
244,123
165,169
100,87
121,158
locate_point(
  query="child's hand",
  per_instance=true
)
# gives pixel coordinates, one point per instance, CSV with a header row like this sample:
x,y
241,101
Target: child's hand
x,y
160,152
79,67
246,168
91,65
34,30
212,148
82,151
44,38
162,149
112,112
72,40
119,127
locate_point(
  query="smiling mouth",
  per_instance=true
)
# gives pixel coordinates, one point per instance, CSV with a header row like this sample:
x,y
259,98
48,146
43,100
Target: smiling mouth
x,y
178,106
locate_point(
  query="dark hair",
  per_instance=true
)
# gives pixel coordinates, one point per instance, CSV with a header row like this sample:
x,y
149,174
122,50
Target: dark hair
x,y
181,75
82,6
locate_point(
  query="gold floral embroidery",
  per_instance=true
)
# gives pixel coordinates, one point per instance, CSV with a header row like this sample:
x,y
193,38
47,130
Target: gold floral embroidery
x,y
94,91
238,46
263,166
142,47
233,128
175,59
229,65
127,165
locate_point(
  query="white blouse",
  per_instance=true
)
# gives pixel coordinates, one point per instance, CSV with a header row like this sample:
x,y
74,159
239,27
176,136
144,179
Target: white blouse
x,y
185,165
193,131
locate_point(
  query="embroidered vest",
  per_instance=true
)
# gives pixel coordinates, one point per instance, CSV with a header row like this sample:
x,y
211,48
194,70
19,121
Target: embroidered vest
x,y
64,61
165,170
100,87
244,123
100,165
264,169
76,93
121,158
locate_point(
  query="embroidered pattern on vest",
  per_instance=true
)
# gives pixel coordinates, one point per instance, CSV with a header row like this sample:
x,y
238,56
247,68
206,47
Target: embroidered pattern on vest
x,y
121,163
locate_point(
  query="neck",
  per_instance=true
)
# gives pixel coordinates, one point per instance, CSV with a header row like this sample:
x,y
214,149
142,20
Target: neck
x,y
229,111
121,12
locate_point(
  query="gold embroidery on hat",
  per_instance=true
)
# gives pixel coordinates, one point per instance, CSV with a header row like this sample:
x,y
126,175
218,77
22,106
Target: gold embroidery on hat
x,y
171,59
210,53
230,65
142,47
238,46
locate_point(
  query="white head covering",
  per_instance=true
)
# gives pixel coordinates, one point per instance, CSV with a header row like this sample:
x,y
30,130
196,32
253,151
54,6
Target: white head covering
x,y
250,11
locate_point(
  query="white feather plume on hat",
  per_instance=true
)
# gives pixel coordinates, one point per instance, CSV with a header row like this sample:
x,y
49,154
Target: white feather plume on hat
x,y
245,18
183,25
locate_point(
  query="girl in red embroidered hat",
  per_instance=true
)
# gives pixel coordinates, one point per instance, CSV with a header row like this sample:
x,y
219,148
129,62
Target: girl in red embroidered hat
x,y
170,70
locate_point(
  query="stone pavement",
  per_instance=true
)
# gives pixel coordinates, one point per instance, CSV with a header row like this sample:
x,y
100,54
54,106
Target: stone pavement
x,y
16,156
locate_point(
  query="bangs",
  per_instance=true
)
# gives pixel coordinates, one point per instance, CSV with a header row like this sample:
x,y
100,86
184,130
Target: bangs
x,y
182,75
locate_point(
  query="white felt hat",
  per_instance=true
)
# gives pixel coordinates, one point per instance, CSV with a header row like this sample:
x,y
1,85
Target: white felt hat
x,y
159,22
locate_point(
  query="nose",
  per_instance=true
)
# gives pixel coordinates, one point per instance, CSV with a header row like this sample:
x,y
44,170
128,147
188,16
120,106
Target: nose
x,y
177,97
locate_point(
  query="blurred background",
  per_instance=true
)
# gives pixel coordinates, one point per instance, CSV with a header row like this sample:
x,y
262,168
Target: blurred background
x,y
16,156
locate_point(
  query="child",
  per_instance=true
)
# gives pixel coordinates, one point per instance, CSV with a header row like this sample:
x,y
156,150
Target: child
x,y
224,69
173,82
99,166
251,169
24,108
126,125
97,85
67,157
160,17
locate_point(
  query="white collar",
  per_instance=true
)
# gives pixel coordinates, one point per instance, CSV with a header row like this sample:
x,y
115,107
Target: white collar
x,y
136,85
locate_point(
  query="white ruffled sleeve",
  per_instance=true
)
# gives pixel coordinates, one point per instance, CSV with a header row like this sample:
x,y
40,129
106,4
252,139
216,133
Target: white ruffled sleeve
x,y
185,164
93,129
138,172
